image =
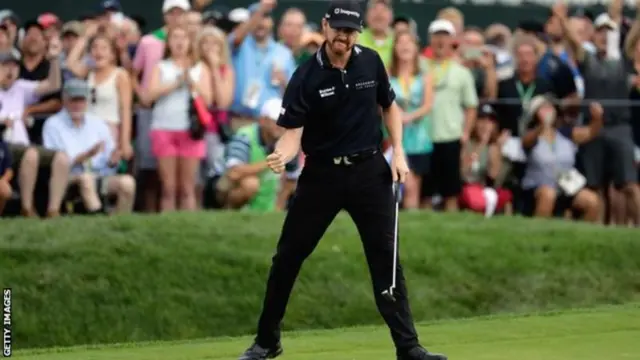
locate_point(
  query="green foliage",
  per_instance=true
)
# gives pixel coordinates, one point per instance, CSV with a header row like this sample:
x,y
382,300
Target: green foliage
x,y
90,280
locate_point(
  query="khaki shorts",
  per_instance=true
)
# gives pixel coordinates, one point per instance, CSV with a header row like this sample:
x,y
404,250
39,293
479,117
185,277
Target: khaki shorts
x,y
17,153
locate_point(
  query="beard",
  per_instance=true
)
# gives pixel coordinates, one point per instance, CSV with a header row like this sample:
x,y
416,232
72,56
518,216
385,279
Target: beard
x,y
340,47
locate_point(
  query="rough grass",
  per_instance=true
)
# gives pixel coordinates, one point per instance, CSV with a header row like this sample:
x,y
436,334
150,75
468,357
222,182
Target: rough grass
x,y
180,276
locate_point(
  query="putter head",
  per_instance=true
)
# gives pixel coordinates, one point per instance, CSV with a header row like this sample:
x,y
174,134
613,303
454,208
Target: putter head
x,y
388,294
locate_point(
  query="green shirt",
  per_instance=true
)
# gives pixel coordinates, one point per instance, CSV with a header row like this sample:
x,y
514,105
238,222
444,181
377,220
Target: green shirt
x,y
455,91
303,56
383,48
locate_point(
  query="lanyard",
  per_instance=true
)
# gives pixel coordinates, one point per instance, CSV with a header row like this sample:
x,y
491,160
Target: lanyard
x,y
525,96
442,70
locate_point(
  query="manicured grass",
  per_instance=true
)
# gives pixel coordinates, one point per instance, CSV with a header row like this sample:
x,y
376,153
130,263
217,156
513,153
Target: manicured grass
x,y
607,333
88,280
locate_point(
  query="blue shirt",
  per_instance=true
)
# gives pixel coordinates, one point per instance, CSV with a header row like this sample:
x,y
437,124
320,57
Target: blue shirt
x,y
254,65
61,134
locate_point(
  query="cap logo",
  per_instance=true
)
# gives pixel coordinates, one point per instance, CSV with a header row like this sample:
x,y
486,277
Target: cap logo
x,y
338,11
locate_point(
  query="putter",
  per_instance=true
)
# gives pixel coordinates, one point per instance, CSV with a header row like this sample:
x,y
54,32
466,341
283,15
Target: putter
x,y
388,294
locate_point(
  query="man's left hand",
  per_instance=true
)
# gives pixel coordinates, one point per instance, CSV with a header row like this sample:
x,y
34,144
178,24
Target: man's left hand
x,y
399,167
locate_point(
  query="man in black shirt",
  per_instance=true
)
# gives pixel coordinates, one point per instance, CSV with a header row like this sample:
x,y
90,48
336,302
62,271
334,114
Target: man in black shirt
x,y
336,97
35,67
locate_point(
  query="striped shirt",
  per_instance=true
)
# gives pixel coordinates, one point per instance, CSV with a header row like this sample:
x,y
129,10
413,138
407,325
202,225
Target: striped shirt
x,y
238,152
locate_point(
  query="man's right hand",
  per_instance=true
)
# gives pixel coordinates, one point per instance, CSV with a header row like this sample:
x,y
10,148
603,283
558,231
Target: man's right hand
x,y
276,162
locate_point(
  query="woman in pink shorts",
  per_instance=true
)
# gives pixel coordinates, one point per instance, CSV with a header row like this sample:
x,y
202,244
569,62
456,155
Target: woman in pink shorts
x,y
178,154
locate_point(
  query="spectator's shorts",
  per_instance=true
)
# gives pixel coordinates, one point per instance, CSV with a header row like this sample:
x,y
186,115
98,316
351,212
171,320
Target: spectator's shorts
x,y
144,156
45,156
165,143
419,164
445,170
609,158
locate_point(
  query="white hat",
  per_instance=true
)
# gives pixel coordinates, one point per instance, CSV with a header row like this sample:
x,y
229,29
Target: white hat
x,y
180,4
442,25
239,15
604,20
271,109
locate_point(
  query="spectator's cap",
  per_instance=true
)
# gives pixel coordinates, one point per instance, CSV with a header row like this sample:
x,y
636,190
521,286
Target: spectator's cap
x,y
110,5
7,14
531,26
171,4
584,13
271,109
254,7
10,56
73,28
487,111
48,20
344,14
76,89
239,15
215,15
604,20
442,26
413,26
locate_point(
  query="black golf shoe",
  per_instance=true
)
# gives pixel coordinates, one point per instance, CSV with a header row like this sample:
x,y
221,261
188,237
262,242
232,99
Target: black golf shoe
x,y
257,352
420,353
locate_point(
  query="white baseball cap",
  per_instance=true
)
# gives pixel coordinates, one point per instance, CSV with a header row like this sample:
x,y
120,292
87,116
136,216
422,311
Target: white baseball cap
x,y
271,109
604,20
180,4
239,15
442,25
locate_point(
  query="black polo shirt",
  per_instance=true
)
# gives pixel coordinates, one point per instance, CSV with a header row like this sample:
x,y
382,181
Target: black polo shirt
x,y
339,109
509,105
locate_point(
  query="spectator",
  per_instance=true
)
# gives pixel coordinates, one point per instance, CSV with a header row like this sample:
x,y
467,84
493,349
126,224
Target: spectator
x,y
248,182
36,67
582,25
480,60
452,119
609,158
378,35
173,79
215,54
263,66
455,17
290,33
51,25
403,23
15,94
499,39
87,140
632,54
6,173
71,33
148,53
481,167
515,92
5,41
10,20
551,183
111,91
414,95
193,21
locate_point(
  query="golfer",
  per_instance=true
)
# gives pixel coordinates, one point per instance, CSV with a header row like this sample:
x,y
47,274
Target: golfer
x,y
336,97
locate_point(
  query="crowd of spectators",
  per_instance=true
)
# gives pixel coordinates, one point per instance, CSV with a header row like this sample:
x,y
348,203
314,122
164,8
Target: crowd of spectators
x,y
541,120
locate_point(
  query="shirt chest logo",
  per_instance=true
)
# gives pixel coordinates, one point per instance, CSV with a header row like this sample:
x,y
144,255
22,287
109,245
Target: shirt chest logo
x,y
361,85
327,92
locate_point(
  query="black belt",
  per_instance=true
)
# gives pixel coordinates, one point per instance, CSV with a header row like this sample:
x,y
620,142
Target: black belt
x,y
344,160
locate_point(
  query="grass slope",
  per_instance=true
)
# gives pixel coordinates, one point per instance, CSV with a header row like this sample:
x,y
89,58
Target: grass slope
x,y
610,333
184,276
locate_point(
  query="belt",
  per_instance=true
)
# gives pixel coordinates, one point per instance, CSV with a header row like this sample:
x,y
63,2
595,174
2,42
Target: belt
x,y
344,160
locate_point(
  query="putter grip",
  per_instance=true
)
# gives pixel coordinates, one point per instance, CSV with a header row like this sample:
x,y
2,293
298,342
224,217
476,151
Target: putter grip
x,y
396,192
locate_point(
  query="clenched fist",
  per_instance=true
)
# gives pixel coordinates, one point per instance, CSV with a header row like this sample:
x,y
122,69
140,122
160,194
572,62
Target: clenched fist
x,y
276,163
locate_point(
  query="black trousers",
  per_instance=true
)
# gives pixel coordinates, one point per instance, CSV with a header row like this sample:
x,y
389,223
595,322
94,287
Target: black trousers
x,y
364,190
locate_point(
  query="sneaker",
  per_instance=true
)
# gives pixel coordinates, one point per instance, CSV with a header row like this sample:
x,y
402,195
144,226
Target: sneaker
x,y
257,352
420,353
